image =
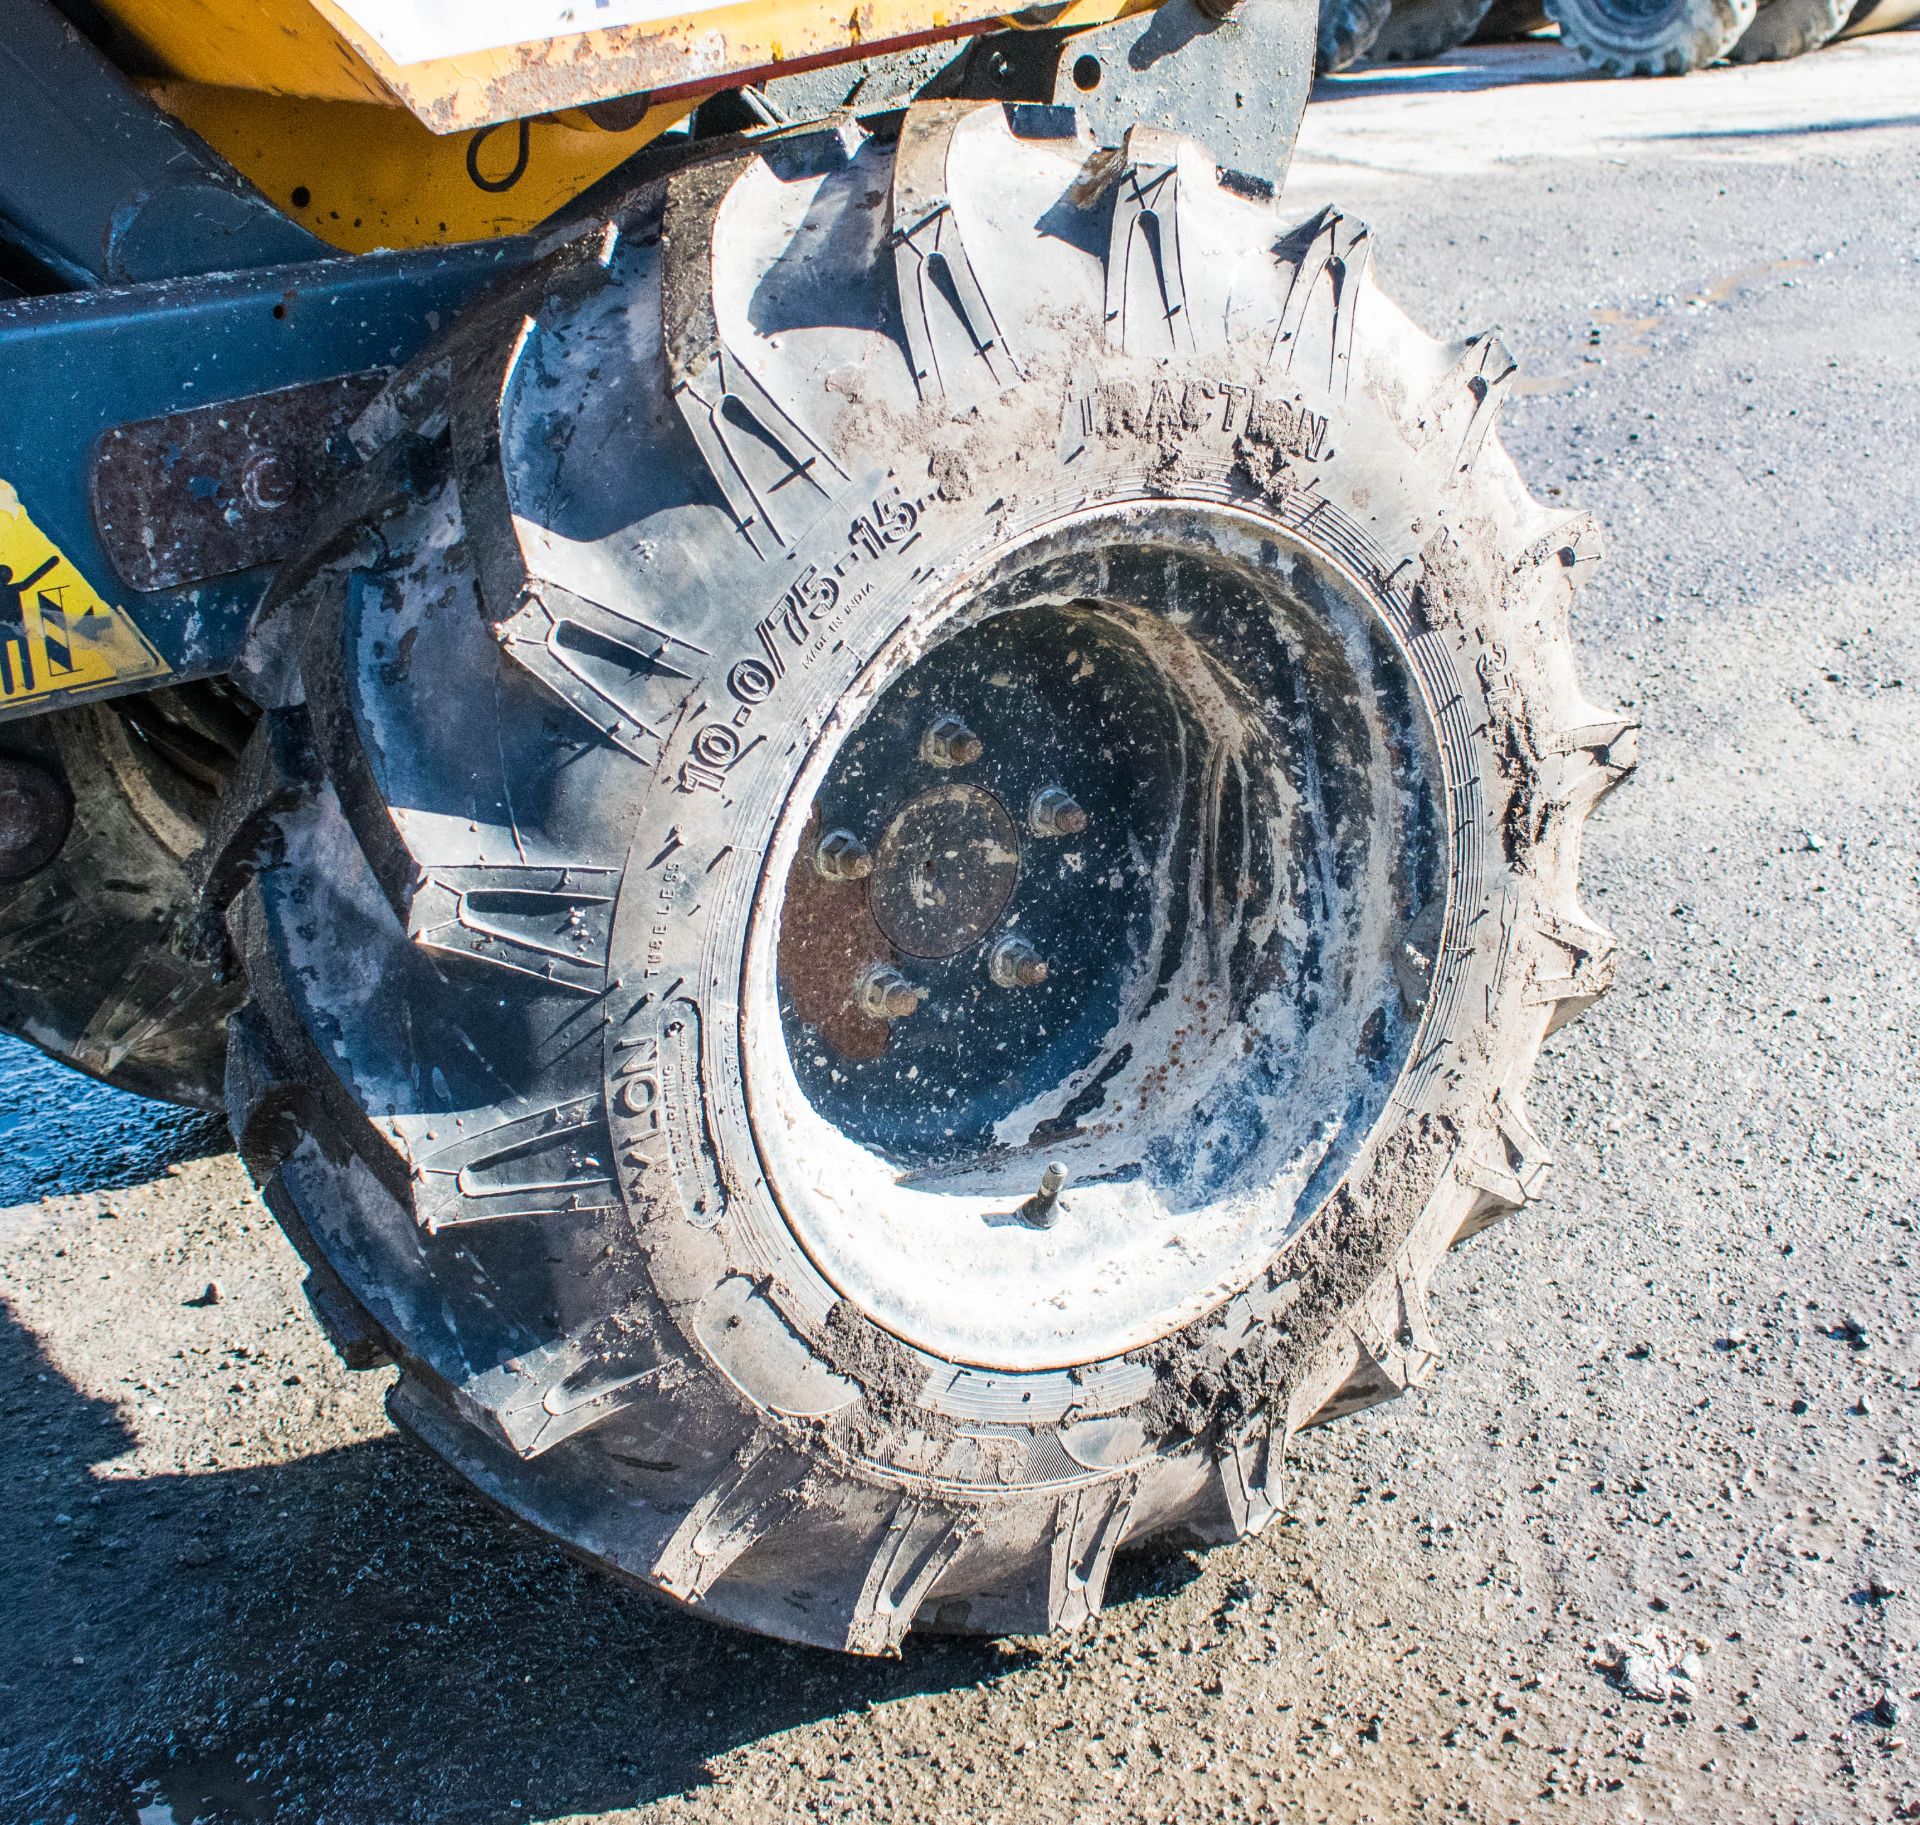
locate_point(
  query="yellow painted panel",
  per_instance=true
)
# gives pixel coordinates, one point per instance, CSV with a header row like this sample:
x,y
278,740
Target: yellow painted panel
x,y
281,46
315,48
58,637
698,51
362,176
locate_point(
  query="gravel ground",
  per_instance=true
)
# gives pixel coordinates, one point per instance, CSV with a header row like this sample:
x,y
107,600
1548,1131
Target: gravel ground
x,y
1675,1430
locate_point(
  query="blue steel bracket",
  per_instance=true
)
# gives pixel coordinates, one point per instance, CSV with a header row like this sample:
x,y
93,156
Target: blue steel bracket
x,y
80,369
99,187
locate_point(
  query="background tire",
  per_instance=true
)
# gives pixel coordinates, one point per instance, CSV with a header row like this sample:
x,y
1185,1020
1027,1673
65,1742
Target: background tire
x,y
1506,19
1651,37
100,959
698,1248
1787,28
1347,31
1420,29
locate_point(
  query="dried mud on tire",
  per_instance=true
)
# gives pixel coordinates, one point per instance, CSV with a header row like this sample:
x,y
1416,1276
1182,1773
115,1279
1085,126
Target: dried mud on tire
x,y
649,543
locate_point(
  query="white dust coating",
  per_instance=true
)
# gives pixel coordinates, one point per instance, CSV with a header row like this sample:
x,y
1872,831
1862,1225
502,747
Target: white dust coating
x,y
1148,1237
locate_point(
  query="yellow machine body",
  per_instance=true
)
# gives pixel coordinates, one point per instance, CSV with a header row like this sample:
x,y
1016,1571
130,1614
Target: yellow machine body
x,y
400,123
362,175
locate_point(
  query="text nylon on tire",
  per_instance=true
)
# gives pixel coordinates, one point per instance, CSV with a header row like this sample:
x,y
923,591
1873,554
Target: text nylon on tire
x,y
927,830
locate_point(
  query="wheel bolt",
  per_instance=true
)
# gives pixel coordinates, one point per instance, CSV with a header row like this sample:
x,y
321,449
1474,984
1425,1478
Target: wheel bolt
x,y
948,742
1054,813
884,994
841,856
1014,964
268,481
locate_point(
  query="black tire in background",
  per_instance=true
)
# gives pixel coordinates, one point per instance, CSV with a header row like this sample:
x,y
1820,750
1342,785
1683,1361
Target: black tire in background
x,y
866,571
1880,16
1789,28
101,963
1420,29
1506,19
1346,33
1651,37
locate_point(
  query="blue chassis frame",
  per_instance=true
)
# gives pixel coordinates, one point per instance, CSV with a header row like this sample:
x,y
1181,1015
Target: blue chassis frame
x,y
161,281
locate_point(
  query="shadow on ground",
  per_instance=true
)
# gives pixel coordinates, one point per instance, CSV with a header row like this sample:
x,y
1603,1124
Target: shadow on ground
x,y
353,1636
1472,67
349,1638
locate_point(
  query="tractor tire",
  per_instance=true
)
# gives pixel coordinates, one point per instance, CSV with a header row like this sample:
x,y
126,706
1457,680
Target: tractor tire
x,y
1787,28
1509,19
1346,32
1651,37
1422,29
900,669
101,959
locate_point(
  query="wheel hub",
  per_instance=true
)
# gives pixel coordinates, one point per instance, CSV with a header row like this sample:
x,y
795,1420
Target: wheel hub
x,y
944,871
1083,982
1007,797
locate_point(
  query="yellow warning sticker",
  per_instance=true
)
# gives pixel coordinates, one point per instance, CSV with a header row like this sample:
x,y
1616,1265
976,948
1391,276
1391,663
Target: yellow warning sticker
x,y
57,635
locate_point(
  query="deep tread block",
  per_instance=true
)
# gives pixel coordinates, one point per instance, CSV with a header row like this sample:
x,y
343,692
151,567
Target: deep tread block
x,y
936,279
1338,250
555,1161
920,1542
1144,253
1506,1171
1088,1527
739,1506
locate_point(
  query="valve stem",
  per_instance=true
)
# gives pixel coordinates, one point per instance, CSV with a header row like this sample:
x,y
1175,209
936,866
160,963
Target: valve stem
x,y
1042,1210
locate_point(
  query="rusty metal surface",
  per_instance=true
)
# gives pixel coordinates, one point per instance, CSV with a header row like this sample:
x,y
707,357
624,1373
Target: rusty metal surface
x,y
221,488
827,936
81,364
663,59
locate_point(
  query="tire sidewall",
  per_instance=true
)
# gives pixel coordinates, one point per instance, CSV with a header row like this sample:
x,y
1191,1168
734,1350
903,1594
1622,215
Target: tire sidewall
x,y
1330,474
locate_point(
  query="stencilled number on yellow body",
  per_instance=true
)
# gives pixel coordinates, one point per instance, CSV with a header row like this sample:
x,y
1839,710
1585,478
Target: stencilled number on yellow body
x,y
57,634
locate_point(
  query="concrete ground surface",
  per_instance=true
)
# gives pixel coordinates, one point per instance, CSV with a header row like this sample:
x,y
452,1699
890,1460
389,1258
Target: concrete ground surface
x,y
1678,1408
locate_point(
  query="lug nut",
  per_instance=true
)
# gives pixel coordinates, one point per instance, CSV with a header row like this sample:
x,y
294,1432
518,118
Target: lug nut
x,y
884,994
948,742
841,856
1042,1210
1014,964
1054,813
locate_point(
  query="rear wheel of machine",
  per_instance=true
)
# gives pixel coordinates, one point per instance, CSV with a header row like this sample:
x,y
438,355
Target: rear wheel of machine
x,y
100,963
1346,32
939,835
1789,28
1419,29
1506,19
1651,37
